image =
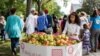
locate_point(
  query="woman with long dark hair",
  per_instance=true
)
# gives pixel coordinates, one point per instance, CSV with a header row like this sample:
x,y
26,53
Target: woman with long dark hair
x,y
72,27
95,30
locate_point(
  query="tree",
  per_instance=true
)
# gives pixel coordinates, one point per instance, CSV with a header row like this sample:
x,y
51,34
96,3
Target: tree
x,y
89,5
3,6
97,3
85,8
40,3
52,7
6,5
29,5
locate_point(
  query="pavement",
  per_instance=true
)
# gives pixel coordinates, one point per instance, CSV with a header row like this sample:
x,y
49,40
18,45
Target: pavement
x,y
92,54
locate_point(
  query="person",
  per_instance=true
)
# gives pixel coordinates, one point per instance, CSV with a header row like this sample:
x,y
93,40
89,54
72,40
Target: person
x,y
30,23
86,38
72,27
63,22
55,27
35,19
42,22
95,30
50,21
59,25
83,19
14,28
2,27
99,35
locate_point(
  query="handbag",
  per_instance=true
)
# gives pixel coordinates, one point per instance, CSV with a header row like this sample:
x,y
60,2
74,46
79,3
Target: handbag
x,y
49,30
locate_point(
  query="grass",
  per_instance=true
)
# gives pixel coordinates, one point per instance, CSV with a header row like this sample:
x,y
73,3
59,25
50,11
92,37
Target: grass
x,y
5,49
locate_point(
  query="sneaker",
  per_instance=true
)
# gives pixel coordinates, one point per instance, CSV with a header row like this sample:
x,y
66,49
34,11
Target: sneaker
x,y
93,50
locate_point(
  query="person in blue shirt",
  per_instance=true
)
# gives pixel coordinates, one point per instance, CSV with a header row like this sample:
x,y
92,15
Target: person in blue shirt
x,y
14,27
95,30
50,22
42,22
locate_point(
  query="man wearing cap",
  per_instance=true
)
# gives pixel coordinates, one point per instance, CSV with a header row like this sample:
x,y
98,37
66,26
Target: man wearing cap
x,y
30,24
50,22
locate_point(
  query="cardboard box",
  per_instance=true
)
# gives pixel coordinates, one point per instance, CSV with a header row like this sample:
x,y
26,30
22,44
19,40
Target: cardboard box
x,y
27,49
74,50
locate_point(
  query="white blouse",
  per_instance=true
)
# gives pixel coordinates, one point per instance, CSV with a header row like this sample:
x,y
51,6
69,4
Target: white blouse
x,y
71,29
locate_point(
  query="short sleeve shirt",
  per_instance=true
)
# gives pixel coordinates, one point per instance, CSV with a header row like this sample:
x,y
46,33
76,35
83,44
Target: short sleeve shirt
x,y
95,22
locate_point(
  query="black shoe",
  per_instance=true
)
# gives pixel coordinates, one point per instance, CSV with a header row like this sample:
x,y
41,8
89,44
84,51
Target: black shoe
x,y
99,47
13,54
95,50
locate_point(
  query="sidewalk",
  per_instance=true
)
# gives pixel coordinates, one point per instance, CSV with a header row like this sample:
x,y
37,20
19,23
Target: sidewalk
x,y
93,54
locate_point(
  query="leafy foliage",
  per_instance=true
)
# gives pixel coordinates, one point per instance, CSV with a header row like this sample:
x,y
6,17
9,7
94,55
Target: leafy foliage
x,y
88,6
5,5
50,5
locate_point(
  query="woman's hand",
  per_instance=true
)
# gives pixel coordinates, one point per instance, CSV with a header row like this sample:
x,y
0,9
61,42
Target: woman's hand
x,y
73,34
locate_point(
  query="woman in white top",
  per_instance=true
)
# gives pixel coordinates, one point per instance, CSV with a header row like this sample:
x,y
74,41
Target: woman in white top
x,y
72,27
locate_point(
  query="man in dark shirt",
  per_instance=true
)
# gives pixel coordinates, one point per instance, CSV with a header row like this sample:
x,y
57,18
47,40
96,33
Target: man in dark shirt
x,y
50,22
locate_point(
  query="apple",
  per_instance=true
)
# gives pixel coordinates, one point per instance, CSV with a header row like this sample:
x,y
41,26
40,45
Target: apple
x,y
46,43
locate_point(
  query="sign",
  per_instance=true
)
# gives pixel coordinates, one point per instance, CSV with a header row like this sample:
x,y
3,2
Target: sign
x,y
32,50
74,50
57,52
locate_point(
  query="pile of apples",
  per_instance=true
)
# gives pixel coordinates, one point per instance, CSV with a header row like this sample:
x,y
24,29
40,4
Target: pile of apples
x,y
43,39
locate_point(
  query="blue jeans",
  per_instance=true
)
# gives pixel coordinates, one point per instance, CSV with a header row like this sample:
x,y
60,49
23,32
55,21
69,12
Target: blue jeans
x,y
14,44
2,34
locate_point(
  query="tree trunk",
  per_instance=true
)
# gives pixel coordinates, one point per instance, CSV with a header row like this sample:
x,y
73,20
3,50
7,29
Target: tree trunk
x,y
39,6
28,8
